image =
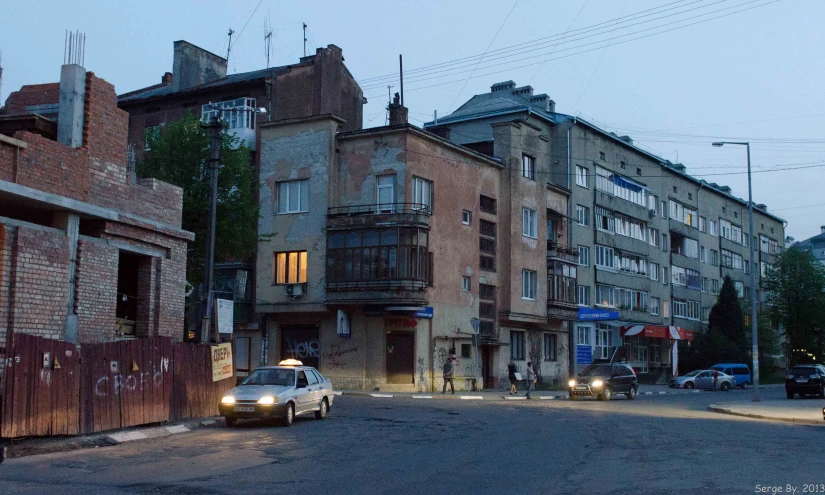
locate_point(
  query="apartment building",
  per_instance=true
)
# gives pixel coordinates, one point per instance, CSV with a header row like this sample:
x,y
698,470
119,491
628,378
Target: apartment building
x,y
653,243
393,249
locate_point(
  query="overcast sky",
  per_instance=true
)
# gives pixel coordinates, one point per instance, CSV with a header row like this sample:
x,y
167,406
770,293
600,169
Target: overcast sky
x,y
745,69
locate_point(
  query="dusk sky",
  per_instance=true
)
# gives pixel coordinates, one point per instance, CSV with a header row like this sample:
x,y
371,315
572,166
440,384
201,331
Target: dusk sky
x,y
700,70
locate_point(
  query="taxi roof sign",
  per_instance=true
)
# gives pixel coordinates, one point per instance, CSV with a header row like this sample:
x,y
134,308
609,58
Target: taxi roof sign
x,y
290,362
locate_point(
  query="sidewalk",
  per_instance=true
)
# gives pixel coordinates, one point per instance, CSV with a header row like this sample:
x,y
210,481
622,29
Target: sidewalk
x,y
502,395
805,411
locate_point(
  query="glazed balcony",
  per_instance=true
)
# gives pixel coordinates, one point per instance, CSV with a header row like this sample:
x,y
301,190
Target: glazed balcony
x,y
562,295
371,215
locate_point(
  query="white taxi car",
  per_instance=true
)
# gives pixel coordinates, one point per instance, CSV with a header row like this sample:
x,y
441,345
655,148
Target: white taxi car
x,y
283,392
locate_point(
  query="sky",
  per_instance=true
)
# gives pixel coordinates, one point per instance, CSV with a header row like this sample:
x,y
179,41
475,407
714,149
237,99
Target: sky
x,y
674,75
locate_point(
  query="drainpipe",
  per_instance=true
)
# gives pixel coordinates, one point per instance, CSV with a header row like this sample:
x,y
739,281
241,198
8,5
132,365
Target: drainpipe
x,y
571,354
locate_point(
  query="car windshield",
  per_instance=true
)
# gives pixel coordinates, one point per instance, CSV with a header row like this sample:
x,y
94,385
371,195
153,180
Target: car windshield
x,y
803,371
693,373
271,377
598,370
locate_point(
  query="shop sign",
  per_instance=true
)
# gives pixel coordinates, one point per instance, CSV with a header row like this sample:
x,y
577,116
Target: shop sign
x,y
592,314
221,361
584,354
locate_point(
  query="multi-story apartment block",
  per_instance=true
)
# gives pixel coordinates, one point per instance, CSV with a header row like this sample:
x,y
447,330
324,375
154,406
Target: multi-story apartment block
x,y
391,249
653,243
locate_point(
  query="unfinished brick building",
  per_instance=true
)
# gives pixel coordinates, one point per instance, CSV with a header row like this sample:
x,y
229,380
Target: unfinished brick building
x,y
88,252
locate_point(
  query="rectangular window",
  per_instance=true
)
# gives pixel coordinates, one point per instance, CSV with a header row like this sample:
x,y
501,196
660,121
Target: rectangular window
x,y
664,275
150,133
584,295
583,215
466,351
654,305
654,271
487,245
605,257
466,217
487,309
291,268
705,314
236,114
581,176
385,194
714,286
714,257
604,180
732,260
465,284
422,194
583,335
678,276
653,236
705,283
664,242
631,263
713,228
605,220
740,289
686,309
550,342
528,167
745,239
747,267
665,309
768,245
630,227
621,298
605,295
584,255
703,255
293,196
487,204
516,345
529,223
703,224
664,209
528,285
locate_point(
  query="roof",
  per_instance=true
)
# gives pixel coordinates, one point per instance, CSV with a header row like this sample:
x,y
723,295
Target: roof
x,y
490,104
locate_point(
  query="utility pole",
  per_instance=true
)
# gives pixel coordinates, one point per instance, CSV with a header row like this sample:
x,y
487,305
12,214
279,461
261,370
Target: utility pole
x,y
215,127
229,46
389,102
305,38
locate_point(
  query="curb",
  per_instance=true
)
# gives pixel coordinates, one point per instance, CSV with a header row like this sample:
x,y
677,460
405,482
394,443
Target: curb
x,y
491,397
721,410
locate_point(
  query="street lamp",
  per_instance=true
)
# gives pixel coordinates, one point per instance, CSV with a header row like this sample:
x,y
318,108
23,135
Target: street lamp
x,y
755,346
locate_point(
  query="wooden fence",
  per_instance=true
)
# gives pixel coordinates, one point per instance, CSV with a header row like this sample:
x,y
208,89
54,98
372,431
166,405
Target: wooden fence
x,y
111,385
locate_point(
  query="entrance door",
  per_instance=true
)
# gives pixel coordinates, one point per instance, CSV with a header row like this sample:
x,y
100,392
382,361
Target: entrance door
x,y
487,367
400,353
300,342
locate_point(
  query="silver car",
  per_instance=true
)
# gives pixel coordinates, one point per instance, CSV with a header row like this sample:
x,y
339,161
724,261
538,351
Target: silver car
x,y
282,392
703,379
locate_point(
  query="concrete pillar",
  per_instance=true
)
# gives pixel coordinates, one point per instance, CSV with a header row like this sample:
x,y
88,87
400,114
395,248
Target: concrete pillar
x,y
70,118
70,222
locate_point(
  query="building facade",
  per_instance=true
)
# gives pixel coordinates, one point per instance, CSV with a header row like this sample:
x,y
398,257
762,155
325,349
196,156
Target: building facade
x,y
653,243
815,245
88,252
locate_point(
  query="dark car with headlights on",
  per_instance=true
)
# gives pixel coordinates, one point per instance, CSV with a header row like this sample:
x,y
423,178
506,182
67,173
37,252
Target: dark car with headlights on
x,y
603,381
805,379
282,392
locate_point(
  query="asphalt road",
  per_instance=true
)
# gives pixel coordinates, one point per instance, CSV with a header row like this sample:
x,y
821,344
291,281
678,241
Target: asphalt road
x,y
668,444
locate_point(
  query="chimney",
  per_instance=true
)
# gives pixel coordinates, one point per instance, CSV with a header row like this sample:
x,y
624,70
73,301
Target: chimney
x,y
398,112
822,229
70,118
544,102
525,92
193,66
502,86
166,79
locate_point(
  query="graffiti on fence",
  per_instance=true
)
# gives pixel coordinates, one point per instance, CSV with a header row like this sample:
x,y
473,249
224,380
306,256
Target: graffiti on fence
x,y
133,382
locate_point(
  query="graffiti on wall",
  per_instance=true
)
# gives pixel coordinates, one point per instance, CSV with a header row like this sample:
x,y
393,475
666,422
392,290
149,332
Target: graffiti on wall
x,y
336,357
301,349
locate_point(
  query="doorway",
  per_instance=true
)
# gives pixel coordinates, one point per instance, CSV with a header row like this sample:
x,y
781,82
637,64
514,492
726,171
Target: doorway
x,y
487,368
400,357
300,342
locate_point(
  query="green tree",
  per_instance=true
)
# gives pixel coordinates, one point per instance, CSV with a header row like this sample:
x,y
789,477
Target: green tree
x,y
796,301
726,327
179,156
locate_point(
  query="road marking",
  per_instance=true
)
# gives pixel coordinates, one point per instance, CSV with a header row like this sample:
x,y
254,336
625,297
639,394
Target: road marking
x,y
471,397
421,396
547,397
662,393
127,436
338,393
381,395
177,429
515,398
647,393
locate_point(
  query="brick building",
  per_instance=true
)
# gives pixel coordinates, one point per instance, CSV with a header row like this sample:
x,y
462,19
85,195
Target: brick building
x,y
88,253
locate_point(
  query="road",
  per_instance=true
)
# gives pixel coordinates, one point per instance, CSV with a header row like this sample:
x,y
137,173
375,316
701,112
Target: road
x,y
660,444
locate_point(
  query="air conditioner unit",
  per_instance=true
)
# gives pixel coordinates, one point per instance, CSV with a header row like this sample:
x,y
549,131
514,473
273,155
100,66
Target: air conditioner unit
x,y
651,213
294,290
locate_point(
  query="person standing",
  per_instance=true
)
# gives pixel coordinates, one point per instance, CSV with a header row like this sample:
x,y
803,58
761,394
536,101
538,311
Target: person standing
x,y
531,379
715,379
511,374
449,375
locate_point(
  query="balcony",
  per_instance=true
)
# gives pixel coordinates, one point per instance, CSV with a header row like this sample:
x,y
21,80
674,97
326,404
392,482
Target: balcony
x,y
372,215
562,294
562,252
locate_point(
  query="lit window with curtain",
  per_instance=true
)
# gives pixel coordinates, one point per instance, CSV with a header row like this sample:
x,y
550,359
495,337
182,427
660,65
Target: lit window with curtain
x,y
291,268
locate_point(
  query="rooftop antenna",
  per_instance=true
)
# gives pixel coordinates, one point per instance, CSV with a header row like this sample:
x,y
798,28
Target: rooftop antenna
x,y
74,48
267,41
1,77
389,102
677,155
229,46
401,74
305,38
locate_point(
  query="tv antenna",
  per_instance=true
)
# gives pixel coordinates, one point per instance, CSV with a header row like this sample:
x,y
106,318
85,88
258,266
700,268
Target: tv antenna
x,y
267,41
305,38
229,46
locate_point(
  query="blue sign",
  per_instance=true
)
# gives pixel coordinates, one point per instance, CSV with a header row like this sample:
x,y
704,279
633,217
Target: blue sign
x,y
590,314
584,354
427,312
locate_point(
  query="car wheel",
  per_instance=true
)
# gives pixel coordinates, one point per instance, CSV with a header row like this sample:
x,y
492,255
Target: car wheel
x,y
632,394
744,385
321,413
289,415
231,421
789,394
725,386
689,385
606,393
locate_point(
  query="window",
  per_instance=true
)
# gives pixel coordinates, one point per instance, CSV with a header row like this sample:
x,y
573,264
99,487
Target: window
x,y
702,224
584,295
386,193
604,341
690,195
638,171
605,220
604,257
487,204
583,335
653,203
665,309
466,217
678,276
631,263
466,351
584,255
664,275
465,284
622,164
382,255
422,194
714,257
237,114
630,227
583,215
745,239
653,236
714,286
602,155
291,268
621,298
487,309
528,167
768,245
683,214
487,245
732,260
705,283
150,133
675,189
693,279
740,289
581,176
664,209
528,285
516,345
293,196
764,268
685,246
621,187
654,271
654,305
703,255
747,267
550,341
713,228
705,314
664,242
686,309
529,225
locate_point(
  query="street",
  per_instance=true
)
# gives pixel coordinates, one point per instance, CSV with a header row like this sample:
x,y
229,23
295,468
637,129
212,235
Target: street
x,y
656,444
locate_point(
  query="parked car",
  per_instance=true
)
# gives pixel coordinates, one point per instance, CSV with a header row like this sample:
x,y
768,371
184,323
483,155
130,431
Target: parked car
x,y
703,379
805,379
283,392
603,381
740,371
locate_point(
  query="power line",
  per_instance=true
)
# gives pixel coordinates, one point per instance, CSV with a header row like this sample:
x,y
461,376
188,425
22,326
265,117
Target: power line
x,y
562,37
247,23
595,70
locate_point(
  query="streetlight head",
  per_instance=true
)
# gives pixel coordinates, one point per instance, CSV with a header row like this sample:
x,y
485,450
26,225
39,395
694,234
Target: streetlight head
x,y
718,144
260,110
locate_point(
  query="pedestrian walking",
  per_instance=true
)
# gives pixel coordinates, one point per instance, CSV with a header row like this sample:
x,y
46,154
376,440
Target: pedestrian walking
x,y
449,375
531,379
715,379
511,374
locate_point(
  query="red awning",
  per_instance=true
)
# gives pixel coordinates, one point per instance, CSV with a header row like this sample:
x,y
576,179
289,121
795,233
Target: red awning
x,y
657,332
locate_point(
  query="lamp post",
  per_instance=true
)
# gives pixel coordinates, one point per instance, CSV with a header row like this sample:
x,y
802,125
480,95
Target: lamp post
x,y
754,338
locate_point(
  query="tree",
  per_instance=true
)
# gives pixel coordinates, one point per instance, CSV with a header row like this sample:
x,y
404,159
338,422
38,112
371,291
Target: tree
x,y
796,302
179,156
726,327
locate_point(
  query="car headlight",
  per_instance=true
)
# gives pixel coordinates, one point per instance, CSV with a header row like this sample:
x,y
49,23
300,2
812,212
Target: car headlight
x,y
790,377
597,383
571,383
227,399
267,400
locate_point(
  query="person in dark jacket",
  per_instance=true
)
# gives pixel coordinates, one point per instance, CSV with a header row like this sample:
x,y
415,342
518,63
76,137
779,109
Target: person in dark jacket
x,y
449,375
511,374
715,379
